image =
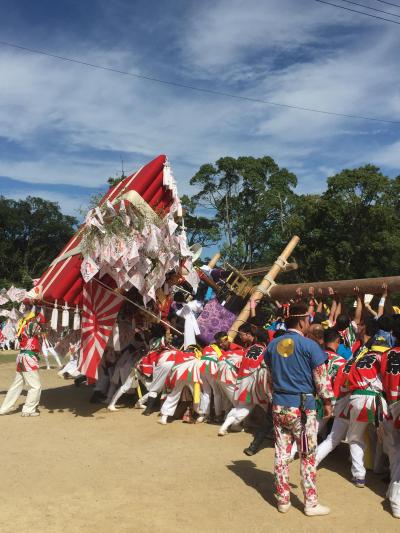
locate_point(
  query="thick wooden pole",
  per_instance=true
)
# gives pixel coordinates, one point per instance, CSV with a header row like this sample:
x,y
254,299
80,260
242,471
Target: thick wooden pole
x,y
214,260
264,287
263,270
208,281
342,287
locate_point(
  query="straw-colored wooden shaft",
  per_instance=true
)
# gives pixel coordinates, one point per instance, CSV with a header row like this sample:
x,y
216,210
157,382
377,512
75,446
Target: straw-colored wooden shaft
x,y
214,260
263,270
342,287
264,286
208,281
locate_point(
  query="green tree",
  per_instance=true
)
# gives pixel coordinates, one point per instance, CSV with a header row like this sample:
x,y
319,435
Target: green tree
x,y
200,229
352,230
32,232
250,200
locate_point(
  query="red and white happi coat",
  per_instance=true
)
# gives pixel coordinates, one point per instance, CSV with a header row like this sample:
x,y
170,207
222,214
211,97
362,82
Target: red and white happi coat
x,y
229,364
361,378
186,369
364,373
252,380
209,359
334,363
27,358
157,357
212,354
390,372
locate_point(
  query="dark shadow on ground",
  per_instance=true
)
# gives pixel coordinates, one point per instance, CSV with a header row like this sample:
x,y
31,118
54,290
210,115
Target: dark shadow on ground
x,y
23,393
261,481
71,399
76,400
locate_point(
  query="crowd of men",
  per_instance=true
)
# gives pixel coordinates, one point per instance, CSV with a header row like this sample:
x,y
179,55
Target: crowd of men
x,y
312,371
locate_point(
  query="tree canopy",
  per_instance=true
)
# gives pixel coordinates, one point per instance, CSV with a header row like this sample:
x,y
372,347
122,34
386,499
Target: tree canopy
x,y
32,232
248,200
351,230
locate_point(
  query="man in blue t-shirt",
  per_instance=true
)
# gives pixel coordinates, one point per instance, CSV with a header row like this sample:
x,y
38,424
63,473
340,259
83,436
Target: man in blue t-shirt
x,y
297,372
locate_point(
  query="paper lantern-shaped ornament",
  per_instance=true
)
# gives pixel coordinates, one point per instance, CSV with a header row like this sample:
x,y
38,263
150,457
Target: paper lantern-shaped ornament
x,y
77,319
65,316
54,317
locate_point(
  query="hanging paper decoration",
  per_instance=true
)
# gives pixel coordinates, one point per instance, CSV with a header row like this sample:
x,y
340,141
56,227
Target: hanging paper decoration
x,y
36,293
54,317
16,295
169,181
89,269
172,225
3,299
77,319
139,254
65,316
123,214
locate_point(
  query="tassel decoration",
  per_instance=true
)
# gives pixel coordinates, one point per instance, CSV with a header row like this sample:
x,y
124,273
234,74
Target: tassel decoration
x,y
77,319
65,316
54,317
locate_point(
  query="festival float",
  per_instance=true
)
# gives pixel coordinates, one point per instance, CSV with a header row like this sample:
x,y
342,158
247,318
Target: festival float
x,y
128,246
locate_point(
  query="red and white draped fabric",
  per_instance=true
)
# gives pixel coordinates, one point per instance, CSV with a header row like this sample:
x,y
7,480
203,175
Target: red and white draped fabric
x,y
251,382
100,310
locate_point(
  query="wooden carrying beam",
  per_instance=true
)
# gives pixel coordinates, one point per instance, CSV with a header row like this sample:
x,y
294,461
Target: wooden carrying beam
x,y
214,260
263,270
342,287
263,289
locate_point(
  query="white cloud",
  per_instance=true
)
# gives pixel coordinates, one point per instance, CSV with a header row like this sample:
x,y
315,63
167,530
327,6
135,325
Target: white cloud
x,y
73,122
389,156
221,35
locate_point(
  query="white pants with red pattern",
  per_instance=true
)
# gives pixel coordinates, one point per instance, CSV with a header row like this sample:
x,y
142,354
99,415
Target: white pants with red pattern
x,y
208,388
157,385
356,433
171,401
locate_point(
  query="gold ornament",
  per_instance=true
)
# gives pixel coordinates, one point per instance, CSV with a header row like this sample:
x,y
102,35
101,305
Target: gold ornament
x,y
285,347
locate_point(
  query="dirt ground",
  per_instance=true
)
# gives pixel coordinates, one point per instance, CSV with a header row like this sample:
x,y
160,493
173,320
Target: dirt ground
x,y
78,467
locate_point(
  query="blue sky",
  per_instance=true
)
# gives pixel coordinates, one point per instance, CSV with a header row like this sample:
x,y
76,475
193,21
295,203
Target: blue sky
x,y
64,127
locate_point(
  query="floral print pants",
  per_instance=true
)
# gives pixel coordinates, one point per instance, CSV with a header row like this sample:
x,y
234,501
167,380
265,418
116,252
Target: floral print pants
x,y
287,426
